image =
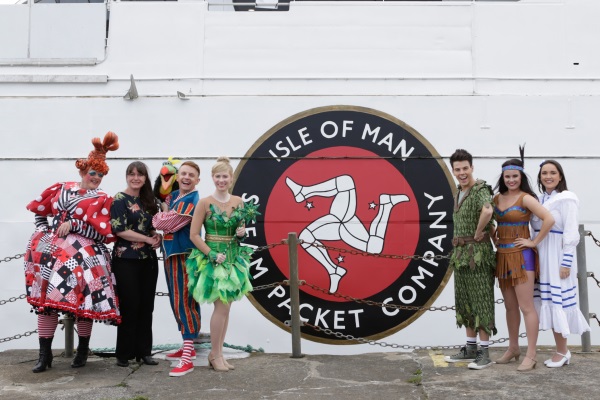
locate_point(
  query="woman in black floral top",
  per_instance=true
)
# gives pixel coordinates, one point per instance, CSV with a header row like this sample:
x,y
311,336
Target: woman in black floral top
x,y
135,264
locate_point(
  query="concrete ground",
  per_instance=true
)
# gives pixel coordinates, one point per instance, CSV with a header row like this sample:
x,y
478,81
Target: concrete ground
x,y
418,375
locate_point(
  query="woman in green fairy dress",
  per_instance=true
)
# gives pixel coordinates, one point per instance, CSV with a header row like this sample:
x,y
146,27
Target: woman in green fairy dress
x,y
218,269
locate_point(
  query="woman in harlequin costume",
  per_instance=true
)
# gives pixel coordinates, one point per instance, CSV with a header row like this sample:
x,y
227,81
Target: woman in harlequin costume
x,y
556,292
516,261
67,265
218,269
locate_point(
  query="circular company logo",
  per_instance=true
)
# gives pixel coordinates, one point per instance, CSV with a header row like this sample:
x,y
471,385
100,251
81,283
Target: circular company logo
x,y
360,188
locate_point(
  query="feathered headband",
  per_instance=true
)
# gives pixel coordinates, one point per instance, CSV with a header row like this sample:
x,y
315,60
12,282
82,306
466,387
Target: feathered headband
x,y
517,167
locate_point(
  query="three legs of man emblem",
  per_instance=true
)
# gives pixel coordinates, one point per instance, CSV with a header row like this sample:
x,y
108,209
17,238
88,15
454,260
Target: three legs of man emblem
x,y
341,223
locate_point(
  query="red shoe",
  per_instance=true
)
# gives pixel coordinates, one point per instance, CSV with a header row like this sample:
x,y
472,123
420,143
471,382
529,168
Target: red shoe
x,y
182,369
177,355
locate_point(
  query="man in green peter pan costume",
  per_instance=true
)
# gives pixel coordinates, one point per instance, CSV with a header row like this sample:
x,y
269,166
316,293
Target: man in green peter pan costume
x,y
473,261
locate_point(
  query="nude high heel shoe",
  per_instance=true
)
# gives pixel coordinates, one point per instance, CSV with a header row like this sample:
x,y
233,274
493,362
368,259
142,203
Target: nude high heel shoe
x,y
509,355
229,366
219,367
528,367
566,359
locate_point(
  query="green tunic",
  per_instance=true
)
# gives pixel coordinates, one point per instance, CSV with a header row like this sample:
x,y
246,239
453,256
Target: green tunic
x,y
473,263
230,280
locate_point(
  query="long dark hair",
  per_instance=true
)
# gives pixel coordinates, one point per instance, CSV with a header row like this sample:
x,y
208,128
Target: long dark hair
x,y
146,193
525,185
562,185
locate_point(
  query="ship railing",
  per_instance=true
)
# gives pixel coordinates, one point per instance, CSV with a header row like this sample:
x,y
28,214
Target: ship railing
x,y
295,322
294,282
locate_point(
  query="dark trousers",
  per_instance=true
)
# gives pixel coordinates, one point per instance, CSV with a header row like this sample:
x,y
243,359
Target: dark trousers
x,y
136,287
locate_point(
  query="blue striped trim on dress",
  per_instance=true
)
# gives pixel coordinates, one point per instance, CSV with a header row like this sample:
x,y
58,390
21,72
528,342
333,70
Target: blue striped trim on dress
x,y
559,303
571,292
513,208
567,260
524,223
551,230
505,246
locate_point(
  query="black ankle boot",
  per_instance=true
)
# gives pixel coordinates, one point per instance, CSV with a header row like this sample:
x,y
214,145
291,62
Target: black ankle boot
x,y
82,352
122,363
148,360
45,360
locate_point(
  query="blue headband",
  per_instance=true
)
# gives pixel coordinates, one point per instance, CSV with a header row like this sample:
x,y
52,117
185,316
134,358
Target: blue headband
x,y
518,168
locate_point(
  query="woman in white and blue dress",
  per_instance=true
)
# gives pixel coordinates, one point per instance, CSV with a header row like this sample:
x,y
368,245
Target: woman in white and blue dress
x,y
555,296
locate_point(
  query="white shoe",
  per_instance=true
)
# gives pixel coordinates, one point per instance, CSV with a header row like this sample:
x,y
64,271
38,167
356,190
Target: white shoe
x,y
566,359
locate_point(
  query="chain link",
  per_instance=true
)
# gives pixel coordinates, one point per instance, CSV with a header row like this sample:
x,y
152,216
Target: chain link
x,y
591,275
12,299
338,295
18,336
503,340
270,285
340,335
7,259
270,246
380,304
284,242
254,289
364,253
160,258
589,233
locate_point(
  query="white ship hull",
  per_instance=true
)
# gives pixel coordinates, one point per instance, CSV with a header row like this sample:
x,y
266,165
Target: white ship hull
x,y
485,76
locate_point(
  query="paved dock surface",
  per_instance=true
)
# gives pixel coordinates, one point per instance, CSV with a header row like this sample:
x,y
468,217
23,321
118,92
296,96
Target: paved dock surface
x,y
418,375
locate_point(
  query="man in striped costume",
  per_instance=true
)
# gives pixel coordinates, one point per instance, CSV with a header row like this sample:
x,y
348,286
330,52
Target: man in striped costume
x,y
174,220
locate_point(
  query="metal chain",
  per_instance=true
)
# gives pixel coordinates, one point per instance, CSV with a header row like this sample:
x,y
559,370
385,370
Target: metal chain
x,y
7,259
591,275
364,253
503,340
314,244
270,285
380,304
340,335
270,246
12,299
589,233
284,242
18,336
160,258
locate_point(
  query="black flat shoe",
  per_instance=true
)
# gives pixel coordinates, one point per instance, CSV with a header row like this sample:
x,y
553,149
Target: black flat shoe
x,y
122,363
148,360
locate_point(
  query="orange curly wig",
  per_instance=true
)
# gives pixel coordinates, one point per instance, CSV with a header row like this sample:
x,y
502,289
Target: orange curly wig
x,y
97,157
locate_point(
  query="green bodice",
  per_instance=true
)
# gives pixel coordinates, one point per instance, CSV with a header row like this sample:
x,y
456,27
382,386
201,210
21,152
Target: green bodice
x,y
220,229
